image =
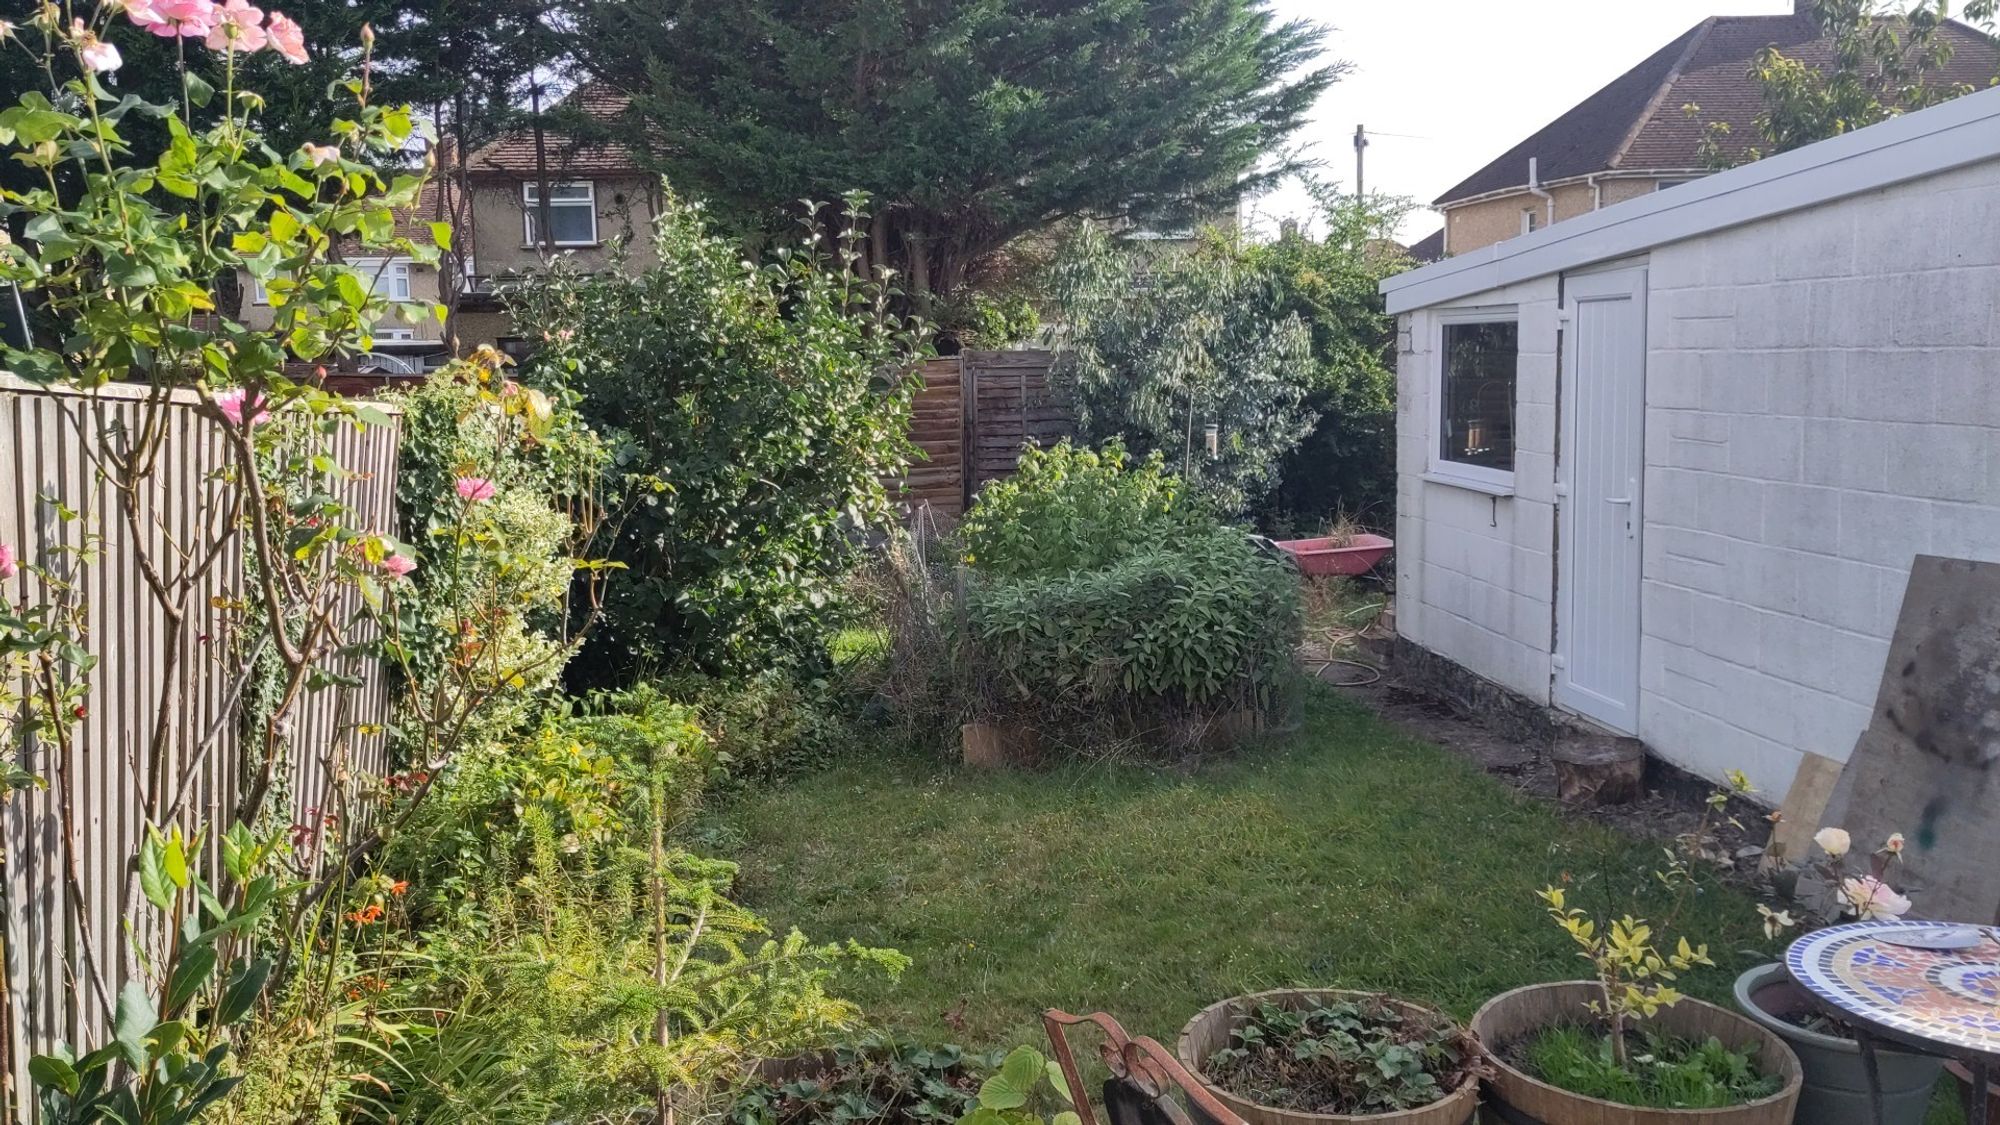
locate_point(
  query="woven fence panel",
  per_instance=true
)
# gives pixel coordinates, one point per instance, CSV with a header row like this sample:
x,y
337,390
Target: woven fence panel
x,y
937,428
1012,404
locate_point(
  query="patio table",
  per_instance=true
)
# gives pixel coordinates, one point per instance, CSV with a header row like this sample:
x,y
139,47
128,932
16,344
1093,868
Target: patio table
x,y
1943,1002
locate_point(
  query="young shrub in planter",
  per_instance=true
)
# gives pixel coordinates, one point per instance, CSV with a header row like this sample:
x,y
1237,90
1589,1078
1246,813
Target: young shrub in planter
x,y
1628,1048
1305,1056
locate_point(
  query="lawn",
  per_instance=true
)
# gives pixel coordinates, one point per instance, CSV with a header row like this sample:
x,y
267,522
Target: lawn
x,y
1348,855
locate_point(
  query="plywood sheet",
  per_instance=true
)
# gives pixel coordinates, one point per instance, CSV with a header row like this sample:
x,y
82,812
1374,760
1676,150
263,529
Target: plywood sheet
x,y
1928,765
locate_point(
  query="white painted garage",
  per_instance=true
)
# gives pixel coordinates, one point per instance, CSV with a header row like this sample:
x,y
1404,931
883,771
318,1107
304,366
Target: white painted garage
x,y
1665,466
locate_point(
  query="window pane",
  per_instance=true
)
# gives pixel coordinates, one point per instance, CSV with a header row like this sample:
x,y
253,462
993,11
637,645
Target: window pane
x,y
532,192
1479,368
572,223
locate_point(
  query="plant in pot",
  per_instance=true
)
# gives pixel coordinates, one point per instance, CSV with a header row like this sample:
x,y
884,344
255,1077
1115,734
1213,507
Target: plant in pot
x,y
1628,1048
1836,1079
1305,1056
874,1078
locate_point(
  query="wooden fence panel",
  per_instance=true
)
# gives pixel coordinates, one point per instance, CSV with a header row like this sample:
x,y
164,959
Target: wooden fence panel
x,y
49,442
937,429
1011,404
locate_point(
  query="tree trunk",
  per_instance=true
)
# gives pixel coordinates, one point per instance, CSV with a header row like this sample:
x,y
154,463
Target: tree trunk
x,y
1599,770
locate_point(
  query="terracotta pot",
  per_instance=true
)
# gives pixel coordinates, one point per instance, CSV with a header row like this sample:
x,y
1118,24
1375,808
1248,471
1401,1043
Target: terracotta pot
x,y
1516,1098
1209,1031
1836,1081
997,745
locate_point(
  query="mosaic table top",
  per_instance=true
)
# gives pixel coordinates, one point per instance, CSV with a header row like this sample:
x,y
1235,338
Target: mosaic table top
x,y
1949,998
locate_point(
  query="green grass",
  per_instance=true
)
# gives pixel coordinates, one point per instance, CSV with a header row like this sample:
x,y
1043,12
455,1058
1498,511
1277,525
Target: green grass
x,y
1350,855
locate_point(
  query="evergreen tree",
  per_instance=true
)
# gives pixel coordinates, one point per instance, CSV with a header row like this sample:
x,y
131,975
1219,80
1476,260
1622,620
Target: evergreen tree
x,y
969,122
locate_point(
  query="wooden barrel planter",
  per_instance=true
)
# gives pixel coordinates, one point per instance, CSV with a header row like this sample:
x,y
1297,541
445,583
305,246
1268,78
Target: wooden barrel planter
x,y
1210,1029
1516,1098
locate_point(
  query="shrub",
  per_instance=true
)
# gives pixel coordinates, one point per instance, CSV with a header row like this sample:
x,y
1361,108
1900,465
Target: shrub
x,y
1200,627
1070,509
769,725
767,402
1344,1057
1156,349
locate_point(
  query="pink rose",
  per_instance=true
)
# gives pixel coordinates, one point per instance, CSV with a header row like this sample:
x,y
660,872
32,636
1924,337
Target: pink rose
x,y
98,56
239,27
396,566
1870,899
191,19
231,403
474,489
8,567
287,38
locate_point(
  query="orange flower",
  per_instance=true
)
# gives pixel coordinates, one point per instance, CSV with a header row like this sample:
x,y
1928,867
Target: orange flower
x,y
398,887
366,915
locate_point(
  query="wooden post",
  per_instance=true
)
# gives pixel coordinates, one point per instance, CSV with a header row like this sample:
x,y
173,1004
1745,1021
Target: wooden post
x,y
1592,772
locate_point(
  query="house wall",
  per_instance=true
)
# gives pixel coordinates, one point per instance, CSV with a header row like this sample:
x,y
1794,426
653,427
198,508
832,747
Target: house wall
x,y
1823,404
1475,579
626,206
423,287
1475,225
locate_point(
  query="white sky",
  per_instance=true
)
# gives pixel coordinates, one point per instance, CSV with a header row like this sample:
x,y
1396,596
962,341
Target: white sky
x,y
1462,81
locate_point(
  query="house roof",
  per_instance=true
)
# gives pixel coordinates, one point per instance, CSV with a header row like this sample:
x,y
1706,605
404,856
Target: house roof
x,y
1429,249
513,153
1640,121
1958,133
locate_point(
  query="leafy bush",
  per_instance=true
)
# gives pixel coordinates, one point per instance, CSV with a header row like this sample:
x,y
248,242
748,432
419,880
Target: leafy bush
x,y
767,402
1344,1058
874,1078
543,465
1667,1072
1203,626
1346,464
1156,349
772,724
1069,509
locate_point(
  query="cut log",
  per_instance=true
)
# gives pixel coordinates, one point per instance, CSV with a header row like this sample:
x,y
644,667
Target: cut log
x,y
1594,771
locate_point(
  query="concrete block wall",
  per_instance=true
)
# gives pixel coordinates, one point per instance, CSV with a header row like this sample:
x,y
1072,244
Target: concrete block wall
x,y
1475,574
1823,404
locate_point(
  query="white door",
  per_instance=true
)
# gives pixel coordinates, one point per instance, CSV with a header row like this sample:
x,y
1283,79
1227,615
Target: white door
x,y
1599,473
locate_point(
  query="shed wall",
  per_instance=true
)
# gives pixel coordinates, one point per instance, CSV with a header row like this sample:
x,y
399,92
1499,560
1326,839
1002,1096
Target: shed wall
x,y
1475,580
1823,404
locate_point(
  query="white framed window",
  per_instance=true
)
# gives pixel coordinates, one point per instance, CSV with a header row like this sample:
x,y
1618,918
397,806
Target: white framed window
x,y
1531,221
1473,382
388,278
572,213
258,294
395,334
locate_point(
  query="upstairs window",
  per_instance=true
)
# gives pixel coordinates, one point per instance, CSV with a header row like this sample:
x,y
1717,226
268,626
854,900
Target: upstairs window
x,y
388,279
572,213
1478,361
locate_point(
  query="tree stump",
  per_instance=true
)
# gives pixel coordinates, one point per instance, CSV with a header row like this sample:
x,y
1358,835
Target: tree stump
x,y
1592,772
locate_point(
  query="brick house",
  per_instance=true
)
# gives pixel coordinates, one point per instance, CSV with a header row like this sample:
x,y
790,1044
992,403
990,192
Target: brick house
x,y
1644,131
1665,466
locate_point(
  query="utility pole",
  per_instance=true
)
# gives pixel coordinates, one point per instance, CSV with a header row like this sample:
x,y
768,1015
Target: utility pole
x,y
1360,152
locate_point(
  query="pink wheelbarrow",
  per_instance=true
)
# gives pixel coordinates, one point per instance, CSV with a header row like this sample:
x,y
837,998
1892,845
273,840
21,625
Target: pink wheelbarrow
x,y
1324,558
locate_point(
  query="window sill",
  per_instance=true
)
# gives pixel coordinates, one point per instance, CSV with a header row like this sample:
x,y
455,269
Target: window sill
x,y
565,246
1483,487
